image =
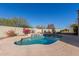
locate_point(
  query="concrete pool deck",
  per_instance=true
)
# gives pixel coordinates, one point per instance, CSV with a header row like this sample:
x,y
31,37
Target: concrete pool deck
x,y
59,48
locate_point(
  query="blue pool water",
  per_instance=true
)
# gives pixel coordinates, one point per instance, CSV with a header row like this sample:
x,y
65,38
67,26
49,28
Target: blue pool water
x,y
37,39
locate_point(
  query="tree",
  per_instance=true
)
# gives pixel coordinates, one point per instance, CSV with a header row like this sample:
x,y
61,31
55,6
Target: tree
x,y
64,31
40,27
75,28
51,26
16,22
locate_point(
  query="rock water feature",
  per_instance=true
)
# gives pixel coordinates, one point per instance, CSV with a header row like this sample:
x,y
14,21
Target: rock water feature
x,y
37,36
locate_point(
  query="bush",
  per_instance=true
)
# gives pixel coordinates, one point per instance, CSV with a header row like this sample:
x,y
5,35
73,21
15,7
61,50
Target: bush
x,y
11,33
26,31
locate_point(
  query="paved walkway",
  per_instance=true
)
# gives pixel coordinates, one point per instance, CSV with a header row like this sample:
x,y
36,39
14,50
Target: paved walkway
x,y
59,48
71,39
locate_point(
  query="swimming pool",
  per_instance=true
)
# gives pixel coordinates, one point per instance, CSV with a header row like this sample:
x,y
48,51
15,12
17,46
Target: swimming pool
x,y
38,39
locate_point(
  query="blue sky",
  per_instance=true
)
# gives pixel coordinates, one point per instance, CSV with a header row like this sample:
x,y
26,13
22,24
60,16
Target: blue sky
x,y
61,15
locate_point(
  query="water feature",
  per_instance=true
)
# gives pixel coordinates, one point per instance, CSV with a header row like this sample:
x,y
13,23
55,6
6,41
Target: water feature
x,y
37,36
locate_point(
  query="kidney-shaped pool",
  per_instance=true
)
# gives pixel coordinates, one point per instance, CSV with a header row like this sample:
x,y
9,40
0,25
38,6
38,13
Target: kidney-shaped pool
x,y
38,39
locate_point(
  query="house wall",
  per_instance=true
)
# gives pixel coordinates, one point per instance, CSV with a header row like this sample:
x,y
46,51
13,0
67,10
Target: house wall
x,y
41,30
18,30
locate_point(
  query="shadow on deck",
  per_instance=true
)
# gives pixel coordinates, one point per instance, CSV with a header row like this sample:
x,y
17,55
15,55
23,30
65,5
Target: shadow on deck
x,y
71,39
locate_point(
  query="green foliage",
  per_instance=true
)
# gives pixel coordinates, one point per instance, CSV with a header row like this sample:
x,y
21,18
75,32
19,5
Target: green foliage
x,y
75,28
64,30
74,25
16,22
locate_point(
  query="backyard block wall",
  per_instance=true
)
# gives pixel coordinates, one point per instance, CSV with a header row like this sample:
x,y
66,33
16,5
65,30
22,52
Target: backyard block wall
x,y
18,30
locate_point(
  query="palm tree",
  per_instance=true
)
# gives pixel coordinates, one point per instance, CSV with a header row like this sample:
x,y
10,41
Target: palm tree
x,y
75,28
51,26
